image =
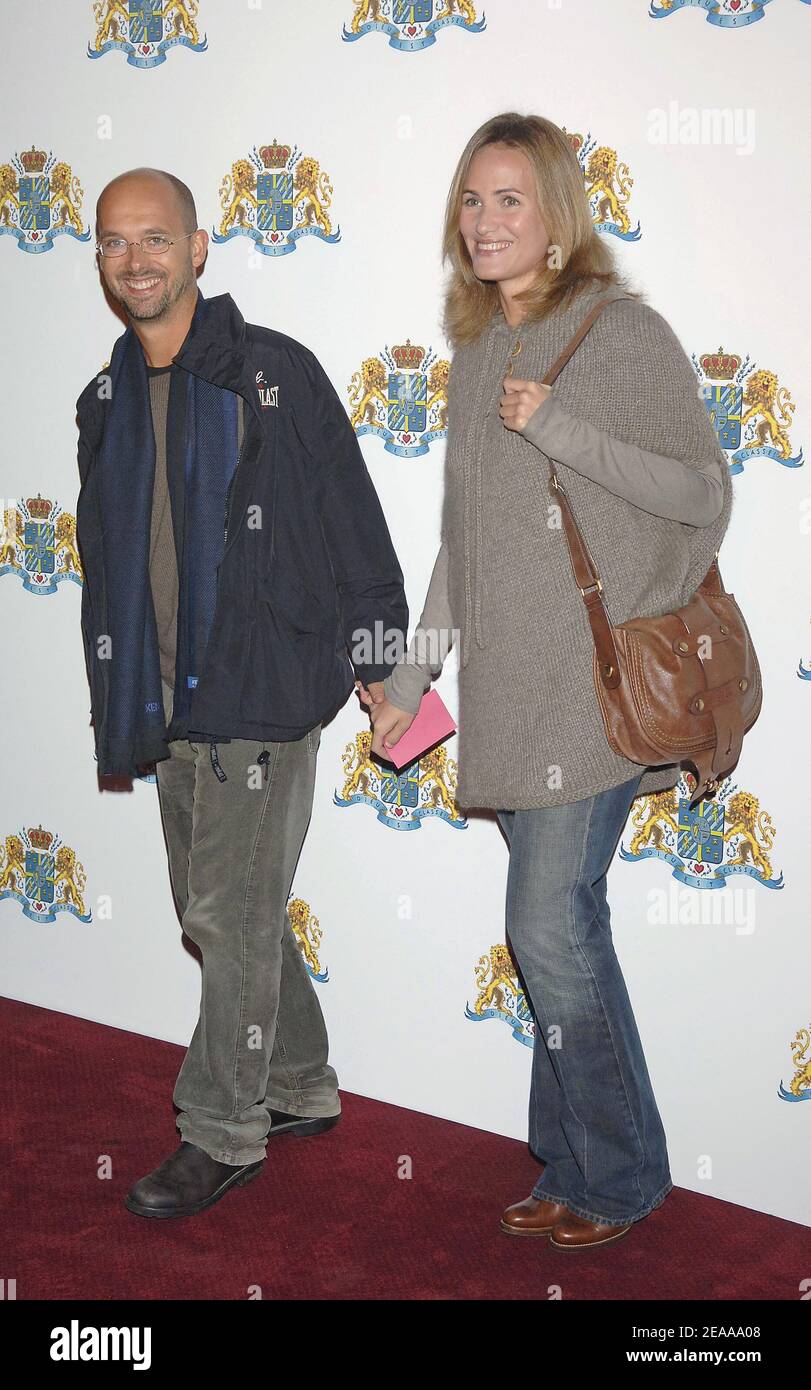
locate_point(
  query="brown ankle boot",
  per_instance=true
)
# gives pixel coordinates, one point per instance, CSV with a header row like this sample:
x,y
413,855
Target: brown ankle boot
x,y
532,1217
576,1233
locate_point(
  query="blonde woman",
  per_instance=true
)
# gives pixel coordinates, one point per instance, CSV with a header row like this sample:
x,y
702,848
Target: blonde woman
x,y
649,485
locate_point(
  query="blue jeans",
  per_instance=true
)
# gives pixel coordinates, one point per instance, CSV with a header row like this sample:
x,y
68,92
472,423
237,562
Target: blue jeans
x,y
592,1113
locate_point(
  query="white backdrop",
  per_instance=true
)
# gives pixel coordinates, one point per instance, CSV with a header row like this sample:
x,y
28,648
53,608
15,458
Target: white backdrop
x,y
709,120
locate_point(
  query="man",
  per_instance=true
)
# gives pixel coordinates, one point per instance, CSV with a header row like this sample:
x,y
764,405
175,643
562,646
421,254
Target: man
x,y
233,545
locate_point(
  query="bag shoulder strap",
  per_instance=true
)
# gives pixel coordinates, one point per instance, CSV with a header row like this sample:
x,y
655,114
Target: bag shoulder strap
x,y
585,573
572,346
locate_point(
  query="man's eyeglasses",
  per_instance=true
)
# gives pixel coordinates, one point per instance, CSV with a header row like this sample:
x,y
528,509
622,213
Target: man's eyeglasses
x,y
155,245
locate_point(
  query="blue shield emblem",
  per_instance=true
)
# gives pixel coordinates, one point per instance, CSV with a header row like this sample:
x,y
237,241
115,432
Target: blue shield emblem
x,y
407,401
419,12
38,540
39,876
35,205
146,21
724,404
701,831
401,788
274,196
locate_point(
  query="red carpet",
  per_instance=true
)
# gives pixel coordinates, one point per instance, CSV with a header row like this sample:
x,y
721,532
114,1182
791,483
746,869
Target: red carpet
x,y
329,1217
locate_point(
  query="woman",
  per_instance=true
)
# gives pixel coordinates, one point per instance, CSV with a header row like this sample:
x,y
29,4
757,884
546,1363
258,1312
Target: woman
x,y
649,486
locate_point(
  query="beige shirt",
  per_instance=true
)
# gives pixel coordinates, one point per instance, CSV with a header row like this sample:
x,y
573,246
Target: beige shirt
x,y
163,574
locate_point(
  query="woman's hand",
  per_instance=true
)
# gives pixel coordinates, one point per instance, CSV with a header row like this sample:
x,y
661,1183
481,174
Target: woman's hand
x,y
520,400
389,722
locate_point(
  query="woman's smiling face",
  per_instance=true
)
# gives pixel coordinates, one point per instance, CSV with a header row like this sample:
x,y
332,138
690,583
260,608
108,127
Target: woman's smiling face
x,y
500,219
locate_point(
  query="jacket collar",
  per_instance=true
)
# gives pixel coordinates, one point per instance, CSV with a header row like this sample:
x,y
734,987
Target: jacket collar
x,y
215,347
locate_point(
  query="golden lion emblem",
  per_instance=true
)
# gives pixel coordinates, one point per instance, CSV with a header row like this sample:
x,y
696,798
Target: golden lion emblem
x,y
13,532
438,379
237,190
71,876
368,389
307,932
66,189
801,1057
183,19
313,191
763,397
108,21
12,878
611,183
65,536
495,978
8,194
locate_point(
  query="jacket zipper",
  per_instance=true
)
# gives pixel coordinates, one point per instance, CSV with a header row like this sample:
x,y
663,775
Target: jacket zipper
x,y
234,474
228,504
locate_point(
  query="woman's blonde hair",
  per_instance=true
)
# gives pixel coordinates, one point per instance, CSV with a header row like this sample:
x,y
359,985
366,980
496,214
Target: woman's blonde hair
x,y
469,302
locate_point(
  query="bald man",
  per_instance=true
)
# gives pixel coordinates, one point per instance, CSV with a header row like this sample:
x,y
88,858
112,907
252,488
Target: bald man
x,y
234,550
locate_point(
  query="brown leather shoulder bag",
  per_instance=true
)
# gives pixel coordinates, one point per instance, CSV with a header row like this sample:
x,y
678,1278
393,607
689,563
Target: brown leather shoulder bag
x,y
683,687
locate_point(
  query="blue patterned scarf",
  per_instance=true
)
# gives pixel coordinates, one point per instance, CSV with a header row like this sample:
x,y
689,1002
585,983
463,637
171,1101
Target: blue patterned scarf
x,y
136,731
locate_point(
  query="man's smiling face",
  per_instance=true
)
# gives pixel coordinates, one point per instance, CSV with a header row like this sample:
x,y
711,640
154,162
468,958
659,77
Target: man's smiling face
x,y
132,208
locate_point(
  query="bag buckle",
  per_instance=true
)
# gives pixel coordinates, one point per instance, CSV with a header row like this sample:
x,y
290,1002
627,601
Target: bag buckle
x,y
598,586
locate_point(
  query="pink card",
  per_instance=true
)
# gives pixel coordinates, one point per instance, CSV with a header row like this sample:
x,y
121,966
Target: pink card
x,y
432,722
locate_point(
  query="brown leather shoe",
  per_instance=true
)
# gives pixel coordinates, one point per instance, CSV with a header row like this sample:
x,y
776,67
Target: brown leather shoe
x,y
532,1217
576,1233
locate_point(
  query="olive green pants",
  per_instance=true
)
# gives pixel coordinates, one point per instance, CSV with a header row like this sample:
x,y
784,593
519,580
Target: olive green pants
x,y
233,838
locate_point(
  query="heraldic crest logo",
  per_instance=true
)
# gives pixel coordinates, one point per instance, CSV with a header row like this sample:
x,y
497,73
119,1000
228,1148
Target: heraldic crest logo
x,y
750,411
724,14
145,30
706,843
38,544
402,799
275,196
40,198
42,875
402,397
411,25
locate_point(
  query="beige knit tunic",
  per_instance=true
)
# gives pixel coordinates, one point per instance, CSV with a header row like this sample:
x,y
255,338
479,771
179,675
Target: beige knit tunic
x,y
651,490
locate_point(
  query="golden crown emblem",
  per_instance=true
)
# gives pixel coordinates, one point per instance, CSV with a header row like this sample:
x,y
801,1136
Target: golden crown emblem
x,y
40,839
33,161
406,356
274,156
720,365
39,507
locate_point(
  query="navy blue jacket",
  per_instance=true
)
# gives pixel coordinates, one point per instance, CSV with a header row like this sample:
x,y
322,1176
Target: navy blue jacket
x,y
291,592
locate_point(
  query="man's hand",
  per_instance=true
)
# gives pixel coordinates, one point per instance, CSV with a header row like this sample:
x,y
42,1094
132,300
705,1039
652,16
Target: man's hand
x,y
389,723
519,401
373,695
